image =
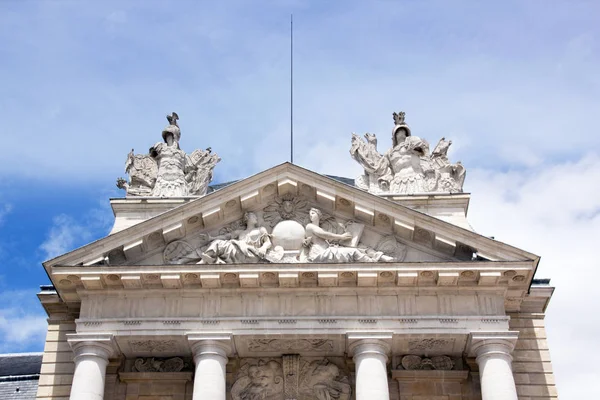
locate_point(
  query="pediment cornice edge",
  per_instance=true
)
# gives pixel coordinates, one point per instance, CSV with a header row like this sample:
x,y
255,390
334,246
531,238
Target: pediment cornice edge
x,y
319,182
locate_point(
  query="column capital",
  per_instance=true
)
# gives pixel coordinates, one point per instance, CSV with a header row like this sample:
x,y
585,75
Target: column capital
x,y
218,343
373,343
101,345
481,343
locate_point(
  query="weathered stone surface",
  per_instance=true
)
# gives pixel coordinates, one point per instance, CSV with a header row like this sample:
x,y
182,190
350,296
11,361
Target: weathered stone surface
x,y
167,171
408,167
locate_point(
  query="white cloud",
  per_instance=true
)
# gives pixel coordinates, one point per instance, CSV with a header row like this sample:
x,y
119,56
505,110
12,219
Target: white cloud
x,y
5,209
63,236
22,321
552,211
67,232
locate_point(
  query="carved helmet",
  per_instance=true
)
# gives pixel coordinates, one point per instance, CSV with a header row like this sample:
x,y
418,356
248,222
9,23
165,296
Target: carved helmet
x,y
172,130
399,124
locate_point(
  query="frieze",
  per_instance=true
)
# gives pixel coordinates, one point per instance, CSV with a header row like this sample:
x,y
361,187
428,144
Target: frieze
x,y
322,240
153,345
290,345
429,344
414,362
293,378
175,364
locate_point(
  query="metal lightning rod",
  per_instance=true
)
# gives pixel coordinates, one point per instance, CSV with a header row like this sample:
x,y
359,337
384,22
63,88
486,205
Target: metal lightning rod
x,y
292,88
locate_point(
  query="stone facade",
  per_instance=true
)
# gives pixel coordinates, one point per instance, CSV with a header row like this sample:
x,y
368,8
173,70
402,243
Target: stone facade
x,y
291,285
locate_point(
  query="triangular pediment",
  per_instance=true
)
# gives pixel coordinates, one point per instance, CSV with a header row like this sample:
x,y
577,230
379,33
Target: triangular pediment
x,y
287,192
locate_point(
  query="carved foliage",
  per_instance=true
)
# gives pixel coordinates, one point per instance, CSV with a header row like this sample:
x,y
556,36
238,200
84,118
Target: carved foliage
x,y
413,362
290,345
153,345
429,344
152,364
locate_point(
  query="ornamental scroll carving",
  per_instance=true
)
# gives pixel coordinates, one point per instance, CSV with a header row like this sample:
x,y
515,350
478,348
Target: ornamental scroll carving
x,y
267,379
408,167
153,345
152,364
413,362
290,345
167,171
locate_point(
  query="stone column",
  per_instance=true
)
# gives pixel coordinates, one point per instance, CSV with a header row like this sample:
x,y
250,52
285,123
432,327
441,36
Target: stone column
x,y
370,354
210,356
493,354
92,352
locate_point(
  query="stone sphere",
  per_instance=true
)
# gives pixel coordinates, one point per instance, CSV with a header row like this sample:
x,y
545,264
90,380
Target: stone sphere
x,y
288,234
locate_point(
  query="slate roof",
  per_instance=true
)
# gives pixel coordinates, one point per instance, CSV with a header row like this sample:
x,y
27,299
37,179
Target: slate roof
x,y
19,390
218,186
19,375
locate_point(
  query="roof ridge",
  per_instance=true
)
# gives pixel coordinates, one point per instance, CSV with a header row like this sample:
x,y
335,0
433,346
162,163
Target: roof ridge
x,y
41,353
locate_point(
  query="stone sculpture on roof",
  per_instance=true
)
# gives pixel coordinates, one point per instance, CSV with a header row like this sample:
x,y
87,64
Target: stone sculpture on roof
x,y
408,167
167,171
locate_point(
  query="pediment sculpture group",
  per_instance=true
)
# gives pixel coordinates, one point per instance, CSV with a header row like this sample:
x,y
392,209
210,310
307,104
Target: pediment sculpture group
x,y
289,242
407,167
167,171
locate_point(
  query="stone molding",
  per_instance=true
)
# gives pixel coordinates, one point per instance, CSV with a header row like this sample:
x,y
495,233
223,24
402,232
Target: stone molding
x,y
374,344
429,375
217,344
101,345
155,376
442,274
486,344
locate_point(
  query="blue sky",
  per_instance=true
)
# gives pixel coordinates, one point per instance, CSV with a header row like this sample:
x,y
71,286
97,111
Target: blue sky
x,y
514,84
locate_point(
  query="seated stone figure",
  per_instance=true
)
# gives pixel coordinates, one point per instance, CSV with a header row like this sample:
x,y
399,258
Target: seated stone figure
x,y
321,251
244,246
241,246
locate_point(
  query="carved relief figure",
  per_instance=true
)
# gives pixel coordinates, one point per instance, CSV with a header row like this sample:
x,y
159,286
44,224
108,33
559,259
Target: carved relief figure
x,y
321,380
167,170
407,167
263,381
322,246
241,246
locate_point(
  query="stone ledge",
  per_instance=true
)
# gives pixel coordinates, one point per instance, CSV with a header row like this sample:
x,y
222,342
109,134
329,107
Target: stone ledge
x,y
155,376
429,375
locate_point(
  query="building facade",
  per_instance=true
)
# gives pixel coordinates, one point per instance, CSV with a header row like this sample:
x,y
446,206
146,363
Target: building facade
x,y
294,285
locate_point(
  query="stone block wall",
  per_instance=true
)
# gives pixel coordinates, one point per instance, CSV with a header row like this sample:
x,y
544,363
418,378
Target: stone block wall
x,y
56,374
532,367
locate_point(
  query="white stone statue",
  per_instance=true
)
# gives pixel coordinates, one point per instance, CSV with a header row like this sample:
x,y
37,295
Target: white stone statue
x,y
321,246
241,246
167,171
406,168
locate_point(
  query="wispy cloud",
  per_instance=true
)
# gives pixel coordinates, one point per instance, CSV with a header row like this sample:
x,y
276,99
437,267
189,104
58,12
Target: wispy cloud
x,y
552,211
22,321
69,232
5,209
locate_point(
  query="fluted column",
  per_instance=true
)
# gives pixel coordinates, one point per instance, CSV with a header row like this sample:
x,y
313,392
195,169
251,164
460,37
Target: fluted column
x,y
210,356
370,354
493,355
91,354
